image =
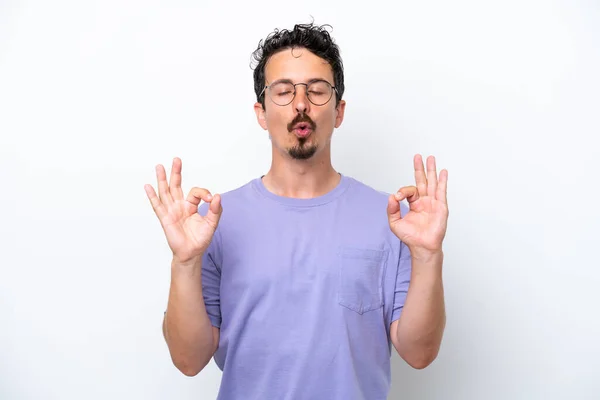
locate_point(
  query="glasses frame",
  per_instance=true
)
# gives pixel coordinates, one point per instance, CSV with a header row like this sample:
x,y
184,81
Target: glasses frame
x,y
295,91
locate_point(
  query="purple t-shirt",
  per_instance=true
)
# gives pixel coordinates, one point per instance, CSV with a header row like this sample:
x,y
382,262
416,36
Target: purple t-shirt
x,y
304,292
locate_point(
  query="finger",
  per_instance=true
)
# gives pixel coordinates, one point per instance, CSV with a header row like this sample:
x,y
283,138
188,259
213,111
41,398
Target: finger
x,y
175,180
410,193
197,195
432,181
163,187
442,190
157,206
393,209
214,211
420,178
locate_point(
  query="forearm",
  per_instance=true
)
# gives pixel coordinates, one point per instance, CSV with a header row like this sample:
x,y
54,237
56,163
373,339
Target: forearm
x,y
423,319
187,328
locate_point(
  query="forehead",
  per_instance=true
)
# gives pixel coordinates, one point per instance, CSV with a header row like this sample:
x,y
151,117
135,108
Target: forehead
x,y
297,64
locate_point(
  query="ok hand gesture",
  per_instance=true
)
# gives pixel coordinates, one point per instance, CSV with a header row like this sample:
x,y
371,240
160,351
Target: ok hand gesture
x,y
424,226
188,233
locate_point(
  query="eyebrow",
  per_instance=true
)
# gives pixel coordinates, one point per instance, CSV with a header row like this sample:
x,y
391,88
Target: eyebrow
x,y
286,80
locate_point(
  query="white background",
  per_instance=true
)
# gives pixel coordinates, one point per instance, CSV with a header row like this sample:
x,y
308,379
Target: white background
x,y
94,94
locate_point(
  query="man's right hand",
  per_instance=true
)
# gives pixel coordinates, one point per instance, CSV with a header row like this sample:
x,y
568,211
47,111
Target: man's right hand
x,y
188,233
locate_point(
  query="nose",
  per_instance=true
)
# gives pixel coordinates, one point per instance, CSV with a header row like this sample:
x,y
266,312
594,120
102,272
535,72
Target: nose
x,y
301,103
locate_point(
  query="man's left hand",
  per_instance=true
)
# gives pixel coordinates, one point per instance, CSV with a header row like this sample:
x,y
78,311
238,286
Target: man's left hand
x,y
423,227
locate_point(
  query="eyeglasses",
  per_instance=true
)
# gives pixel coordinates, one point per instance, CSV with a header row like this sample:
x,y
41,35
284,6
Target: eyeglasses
x,y
319,92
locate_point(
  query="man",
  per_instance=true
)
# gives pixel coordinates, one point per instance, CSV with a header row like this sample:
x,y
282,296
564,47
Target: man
x,y
298,282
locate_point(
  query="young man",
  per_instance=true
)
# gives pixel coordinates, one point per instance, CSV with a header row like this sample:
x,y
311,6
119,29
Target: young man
x,y
298,282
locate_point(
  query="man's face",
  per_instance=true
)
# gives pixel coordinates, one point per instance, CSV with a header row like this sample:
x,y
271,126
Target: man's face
x,y
300,129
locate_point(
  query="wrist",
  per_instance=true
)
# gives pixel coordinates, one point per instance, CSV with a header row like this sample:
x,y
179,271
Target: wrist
x,y
185,263
423,255
427,266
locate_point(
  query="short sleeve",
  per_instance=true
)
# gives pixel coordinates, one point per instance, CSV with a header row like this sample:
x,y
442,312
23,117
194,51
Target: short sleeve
x,y
403,274
211,275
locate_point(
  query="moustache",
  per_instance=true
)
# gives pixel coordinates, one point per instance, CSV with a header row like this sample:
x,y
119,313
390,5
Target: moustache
x,y
301,118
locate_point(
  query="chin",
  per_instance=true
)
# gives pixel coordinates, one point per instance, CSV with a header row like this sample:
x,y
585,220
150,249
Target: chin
x,y
303,151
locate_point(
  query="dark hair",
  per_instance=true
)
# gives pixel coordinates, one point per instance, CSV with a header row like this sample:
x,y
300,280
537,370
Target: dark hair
x,y
314,38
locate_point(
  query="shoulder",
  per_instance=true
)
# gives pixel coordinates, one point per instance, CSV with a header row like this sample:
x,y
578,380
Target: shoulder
x,y
358,186
236,198
369,195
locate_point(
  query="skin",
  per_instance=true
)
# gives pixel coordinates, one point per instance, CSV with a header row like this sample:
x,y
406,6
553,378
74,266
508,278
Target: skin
x,y
302,168
288,176
417,335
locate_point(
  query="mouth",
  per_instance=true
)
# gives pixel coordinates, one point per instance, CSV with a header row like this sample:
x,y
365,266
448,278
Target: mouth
x,y
302,129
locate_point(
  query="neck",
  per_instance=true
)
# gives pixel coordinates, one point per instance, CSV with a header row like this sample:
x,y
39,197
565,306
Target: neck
x,y
301,178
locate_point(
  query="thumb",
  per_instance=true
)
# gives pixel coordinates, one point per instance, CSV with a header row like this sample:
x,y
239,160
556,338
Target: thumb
x,y
215,210
393,209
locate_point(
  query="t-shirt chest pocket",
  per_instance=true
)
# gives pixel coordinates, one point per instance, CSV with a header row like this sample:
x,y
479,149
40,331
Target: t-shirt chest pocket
x,y
361,273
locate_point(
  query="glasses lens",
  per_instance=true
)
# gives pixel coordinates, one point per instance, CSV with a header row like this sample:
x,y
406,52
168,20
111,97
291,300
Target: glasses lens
x,y
281,93
319,92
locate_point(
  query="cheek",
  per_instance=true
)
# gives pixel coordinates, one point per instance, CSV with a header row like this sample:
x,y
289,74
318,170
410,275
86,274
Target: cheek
x,y
276,120
327,121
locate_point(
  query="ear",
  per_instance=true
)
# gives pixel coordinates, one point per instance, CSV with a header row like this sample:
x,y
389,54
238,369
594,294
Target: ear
x,y
340,113
260,115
